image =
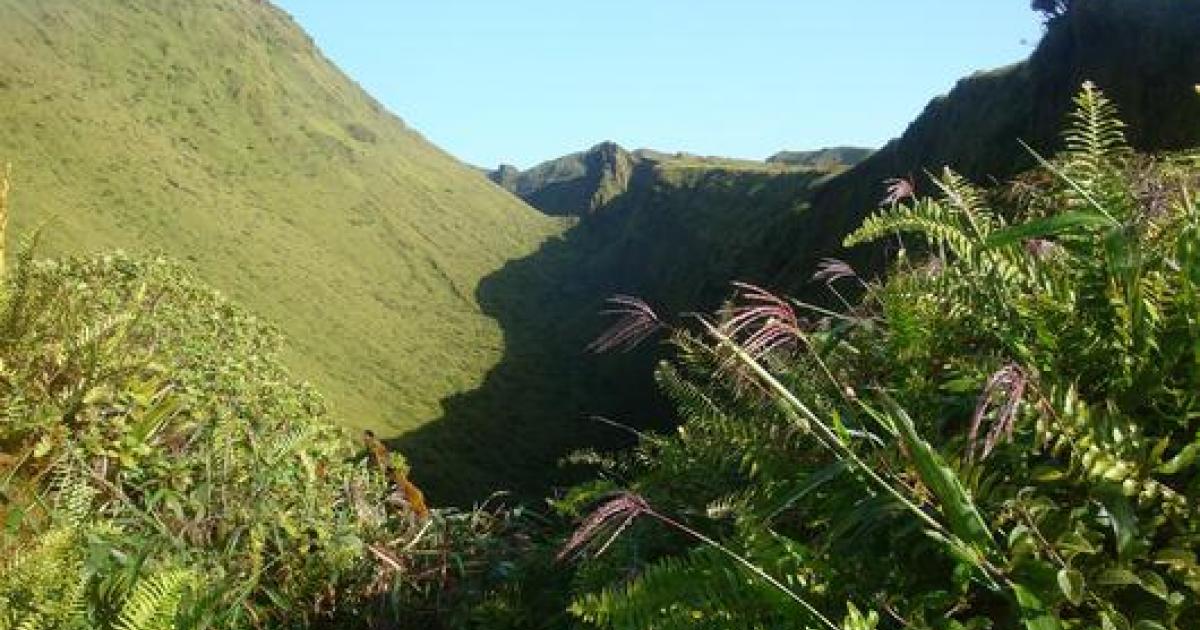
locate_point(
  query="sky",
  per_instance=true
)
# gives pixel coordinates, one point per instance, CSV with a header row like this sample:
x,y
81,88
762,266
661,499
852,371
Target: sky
x,y
524,81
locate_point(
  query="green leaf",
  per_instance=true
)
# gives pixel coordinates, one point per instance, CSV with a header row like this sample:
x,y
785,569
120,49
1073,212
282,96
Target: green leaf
x,y
1034,614
1047,226
1047,474
1180,559
1113,620
1123,519
1117,577
1154,584
1146,624
1071,583
153,419
1182,460
1075,543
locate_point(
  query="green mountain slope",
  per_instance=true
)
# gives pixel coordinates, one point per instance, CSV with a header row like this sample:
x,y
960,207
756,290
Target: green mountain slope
x,y
217,133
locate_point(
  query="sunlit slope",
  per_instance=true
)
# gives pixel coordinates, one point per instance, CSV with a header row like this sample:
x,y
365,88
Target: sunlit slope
x,y
215,132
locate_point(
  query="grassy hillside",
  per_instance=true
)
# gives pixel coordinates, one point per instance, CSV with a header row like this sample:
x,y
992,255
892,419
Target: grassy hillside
x,y
215,132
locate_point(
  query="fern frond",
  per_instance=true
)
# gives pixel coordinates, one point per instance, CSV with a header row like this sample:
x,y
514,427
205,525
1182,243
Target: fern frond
x,y
1096,132
701,590
154,604
1094,138
936,221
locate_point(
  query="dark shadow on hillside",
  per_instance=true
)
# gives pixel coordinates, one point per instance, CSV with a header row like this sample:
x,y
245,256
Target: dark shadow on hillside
x,y
675,239
535,405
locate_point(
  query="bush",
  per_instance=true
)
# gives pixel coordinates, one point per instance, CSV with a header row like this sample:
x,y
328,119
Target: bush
x,y
161,468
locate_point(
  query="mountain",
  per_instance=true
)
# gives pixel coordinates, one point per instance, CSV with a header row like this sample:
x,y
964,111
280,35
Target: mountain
x,y
572,185
829,158
217,133
582,183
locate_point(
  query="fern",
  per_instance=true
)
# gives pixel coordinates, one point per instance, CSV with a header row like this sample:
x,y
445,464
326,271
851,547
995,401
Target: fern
x,y
44,587
701,590
154,604
1094,139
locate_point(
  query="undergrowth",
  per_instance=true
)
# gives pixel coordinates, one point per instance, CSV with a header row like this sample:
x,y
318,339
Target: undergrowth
x,y
161,468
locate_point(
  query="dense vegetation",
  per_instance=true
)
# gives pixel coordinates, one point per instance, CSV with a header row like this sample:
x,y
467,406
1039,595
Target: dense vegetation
x,y
161,468
1001,433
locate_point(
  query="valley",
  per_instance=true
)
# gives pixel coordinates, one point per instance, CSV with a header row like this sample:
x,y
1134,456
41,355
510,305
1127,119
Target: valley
x,y
271,358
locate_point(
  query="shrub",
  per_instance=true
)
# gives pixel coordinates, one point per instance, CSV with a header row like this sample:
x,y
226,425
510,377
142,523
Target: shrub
x,y
159,467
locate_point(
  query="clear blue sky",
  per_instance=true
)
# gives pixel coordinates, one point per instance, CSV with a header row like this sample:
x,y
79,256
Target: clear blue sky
x,y
528,80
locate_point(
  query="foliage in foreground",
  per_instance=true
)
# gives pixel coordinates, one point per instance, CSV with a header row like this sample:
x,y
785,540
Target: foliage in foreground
x,y
1003,433
159,468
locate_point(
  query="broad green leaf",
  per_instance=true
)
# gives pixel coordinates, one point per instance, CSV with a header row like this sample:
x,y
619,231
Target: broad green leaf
x,y
1154,584
1071,583
1117,577
1048,226
1075,543
1047,474
1034,614
1123,520
155,417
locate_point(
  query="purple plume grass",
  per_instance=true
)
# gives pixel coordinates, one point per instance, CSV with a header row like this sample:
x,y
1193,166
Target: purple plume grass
x,y
612,517
1041,249
764,323
1001,396
636,322
832,269
615,516
898,189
